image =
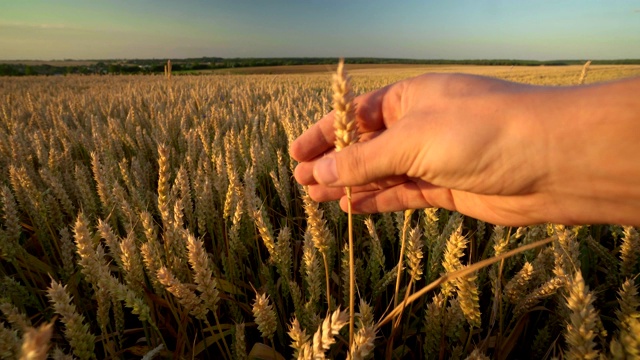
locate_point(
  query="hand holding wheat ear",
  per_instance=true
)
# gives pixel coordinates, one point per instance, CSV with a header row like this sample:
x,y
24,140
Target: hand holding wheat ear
x,y
498,151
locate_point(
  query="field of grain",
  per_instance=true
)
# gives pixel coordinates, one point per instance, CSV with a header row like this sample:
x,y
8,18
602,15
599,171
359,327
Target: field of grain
x,y
148,217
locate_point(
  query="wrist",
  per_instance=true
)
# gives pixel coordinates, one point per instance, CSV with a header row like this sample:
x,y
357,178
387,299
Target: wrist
x,y
592,153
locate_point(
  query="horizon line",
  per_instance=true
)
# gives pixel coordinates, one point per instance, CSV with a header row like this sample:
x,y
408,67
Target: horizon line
x,y
318,57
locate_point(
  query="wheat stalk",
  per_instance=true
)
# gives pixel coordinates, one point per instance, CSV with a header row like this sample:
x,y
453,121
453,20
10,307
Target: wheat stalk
x,y
346,133
583,74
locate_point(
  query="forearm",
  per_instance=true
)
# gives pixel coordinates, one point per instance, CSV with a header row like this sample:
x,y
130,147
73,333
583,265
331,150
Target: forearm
x,y
593,139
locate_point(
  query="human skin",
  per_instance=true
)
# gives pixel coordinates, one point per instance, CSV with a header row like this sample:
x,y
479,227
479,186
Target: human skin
x,y
503,152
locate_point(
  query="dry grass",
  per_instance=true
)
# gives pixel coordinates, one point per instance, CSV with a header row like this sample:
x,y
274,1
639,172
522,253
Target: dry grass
x,y
157,205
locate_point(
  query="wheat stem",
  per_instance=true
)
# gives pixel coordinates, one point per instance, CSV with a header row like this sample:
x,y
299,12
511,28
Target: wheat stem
x,y
405,226
352,271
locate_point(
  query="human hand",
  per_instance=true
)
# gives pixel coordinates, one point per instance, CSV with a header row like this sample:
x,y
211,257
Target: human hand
x,y
451,141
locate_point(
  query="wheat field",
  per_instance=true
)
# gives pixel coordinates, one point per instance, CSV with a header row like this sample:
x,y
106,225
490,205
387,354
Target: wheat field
x,y
146,217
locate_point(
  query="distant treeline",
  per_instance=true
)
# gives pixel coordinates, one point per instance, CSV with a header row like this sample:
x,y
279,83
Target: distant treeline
x,y
156,66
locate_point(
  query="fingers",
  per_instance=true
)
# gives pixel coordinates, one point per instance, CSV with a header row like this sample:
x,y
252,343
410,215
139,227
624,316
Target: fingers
x,y
408,195
304,171
373,111
389,154
322,193
506,211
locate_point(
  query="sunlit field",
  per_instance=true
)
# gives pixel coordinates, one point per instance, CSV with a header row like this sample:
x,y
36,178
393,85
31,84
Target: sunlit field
x,y
151,217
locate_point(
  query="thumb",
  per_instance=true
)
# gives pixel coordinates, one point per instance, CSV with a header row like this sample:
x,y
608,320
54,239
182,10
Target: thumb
x,y
365,162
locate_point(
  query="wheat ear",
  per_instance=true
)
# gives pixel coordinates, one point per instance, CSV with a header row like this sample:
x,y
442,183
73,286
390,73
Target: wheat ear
x,y
583,74
298,336
320,235
76,331
582,326
35,343
346,133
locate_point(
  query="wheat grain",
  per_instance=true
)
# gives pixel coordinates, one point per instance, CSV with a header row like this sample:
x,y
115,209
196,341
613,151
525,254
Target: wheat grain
x,y
517,286
365,315
311,268
453,252
629,303
320,236
469,299
9,343
187,297
132,262
19,321
76,330
35,342
299,337
284,254
346,129
240,342
627,343
265,316
90,257
477,354
58,190
581,329
433,321
324,337
10,248
414,254
103,187
363,343
200,262
454,320
629,251
67,252
377,259
163,185
543,291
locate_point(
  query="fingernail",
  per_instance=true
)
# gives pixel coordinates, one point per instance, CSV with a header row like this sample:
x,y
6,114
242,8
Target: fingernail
x,y
325,171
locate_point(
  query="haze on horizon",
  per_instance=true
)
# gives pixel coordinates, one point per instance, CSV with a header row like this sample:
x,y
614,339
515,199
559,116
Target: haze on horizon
x,y
456,29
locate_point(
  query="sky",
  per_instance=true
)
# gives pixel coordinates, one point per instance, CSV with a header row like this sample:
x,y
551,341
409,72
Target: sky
x,y
427,29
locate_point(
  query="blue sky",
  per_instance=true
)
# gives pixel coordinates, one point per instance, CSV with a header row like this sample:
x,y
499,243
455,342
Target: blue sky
x,y
455,29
